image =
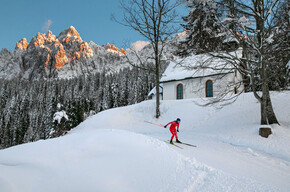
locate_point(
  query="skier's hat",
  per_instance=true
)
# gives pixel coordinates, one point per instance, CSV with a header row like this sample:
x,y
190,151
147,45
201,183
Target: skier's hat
x,y
178,120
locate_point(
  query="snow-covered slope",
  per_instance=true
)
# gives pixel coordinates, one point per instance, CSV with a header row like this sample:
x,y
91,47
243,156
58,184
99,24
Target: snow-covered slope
x,y
117,151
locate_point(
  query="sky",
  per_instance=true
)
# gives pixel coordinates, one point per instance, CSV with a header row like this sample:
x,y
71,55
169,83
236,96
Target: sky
x,y
91,18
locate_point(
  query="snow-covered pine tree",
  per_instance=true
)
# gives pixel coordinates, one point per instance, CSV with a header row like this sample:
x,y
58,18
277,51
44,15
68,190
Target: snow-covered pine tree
x,y
27,107
278,48
202,26
13,116
2,131
24,120
60,122
124,89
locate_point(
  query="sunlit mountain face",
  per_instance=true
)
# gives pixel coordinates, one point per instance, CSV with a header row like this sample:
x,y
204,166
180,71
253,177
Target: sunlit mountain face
x,y
114,49
66,56
49,56
59,50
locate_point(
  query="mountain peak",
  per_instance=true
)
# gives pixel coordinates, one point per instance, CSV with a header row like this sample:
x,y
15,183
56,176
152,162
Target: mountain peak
x,y
50,37
113,49
70,35
39,40
73,31
22,44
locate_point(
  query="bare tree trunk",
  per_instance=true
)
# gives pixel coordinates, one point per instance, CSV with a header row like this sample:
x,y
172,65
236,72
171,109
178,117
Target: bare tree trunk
x,y
264,90
157,115
272,119
267,113
157,64
263,111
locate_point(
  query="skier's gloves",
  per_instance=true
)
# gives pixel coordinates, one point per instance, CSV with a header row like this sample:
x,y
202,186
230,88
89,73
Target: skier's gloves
x,y
177,130
164,126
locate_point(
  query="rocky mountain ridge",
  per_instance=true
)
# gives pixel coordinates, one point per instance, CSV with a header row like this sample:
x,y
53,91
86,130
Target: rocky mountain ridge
x,y
66,56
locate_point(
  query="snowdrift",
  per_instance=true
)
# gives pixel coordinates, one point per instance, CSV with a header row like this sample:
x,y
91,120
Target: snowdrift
x,y
117,151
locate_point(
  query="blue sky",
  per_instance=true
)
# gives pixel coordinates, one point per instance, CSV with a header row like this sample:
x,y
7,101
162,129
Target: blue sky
x,y
91,18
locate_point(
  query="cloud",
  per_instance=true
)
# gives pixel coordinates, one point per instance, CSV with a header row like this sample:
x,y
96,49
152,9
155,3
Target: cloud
x,y
46,25
138,45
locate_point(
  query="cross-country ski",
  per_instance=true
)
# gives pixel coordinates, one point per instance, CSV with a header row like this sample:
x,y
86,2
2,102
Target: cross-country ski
x,y
173,145
184,143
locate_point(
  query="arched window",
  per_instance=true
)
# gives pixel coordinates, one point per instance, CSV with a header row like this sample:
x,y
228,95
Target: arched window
x,y
209,89
179,91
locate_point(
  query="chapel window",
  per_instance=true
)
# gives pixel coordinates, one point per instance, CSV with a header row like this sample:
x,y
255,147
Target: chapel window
x,y
209,88
179,91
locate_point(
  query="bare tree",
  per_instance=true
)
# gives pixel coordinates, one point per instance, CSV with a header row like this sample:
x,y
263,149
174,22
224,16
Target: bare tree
x,y
155,20
250,25
254,30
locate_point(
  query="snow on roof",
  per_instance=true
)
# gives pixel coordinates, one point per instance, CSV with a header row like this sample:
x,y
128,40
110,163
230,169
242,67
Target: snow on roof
x,y
153,91
200,65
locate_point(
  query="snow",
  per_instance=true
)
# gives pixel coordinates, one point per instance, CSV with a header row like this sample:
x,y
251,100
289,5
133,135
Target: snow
x,y
102,59
153,91
198,66
139,45
244,21
59,106
116,150
270,39
59,115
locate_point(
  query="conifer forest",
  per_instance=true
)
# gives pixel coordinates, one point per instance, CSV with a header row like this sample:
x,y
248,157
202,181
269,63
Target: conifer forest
x,y
27,108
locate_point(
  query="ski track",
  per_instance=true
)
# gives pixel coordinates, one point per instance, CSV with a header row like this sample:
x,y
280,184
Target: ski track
x,y
205,178
134,156
260,161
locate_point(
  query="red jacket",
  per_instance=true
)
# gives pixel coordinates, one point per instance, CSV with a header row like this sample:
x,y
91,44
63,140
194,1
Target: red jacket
x,y
173,125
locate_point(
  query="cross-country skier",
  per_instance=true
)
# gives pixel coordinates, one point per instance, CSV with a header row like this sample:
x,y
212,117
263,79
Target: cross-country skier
x,y
172,128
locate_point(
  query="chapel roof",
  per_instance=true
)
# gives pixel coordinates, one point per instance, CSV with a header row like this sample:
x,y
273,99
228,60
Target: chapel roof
x,y
201,65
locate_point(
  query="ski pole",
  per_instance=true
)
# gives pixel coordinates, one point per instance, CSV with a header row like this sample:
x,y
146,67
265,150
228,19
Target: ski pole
x,y
154,123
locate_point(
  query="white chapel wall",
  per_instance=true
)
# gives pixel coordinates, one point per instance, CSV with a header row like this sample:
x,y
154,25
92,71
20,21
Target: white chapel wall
x,y
195,88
